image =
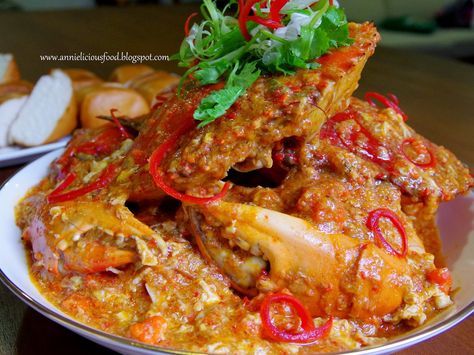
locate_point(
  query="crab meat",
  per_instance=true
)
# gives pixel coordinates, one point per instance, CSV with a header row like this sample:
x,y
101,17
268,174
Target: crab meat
x,y
331,273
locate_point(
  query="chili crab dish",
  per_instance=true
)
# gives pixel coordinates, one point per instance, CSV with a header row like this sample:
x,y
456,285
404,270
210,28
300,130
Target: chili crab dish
x,y
260,208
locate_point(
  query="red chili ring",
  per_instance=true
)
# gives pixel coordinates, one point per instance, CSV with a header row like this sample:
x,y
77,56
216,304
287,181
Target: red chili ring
x,y
373,224
310,332
391,102
430,164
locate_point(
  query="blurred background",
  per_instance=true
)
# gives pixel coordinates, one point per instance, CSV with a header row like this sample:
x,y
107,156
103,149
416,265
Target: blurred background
x,y
439,27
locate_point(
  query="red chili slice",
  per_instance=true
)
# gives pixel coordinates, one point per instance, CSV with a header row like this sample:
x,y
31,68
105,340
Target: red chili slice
x,y
186,24
370,150
373,224
275,8
309,334
389,102
68,180
265,22
106,177
121,128
244,12
157,175
420,148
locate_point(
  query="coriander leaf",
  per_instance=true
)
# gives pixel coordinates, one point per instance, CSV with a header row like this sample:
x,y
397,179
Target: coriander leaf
x,y
210,75
246,77
216,104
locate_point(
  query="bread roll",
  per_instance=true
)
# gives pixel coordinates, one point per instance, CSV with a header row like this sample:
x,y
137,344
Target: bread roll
x,y
8,69
9,110
48,114
81,94
101,100
127,72
82,78
154,84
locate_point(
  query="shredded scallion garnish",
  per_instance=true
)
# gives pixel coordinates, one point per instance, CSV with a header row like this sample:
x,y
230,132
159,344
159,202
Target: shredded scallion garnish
x,y
247,39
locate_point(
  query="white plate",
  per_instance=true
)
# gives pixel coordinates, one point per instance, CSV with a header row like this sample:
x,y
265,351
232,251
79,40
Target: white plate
x,y
16,155
455,221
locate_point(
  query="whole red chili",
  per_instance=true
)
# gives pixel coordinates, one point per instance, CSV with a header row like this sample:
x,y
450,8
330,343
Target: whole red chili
x,y
373,225
309,334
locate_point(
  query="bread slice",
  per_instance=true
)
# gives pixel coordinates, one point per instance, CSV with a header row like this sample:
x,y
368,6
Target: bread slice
x,y
8,68
101,100
9,110
127,72
49,113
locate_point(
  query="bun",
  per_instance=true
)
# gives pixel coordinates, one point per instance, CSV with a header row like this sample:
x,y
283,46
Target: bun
x,y
154,84
127,72
82,78
101,100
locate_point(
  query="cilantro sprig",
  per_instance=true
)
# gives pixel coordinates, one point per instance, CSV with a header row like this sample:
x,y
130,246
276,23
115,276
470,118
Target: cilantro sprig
x,y
216,48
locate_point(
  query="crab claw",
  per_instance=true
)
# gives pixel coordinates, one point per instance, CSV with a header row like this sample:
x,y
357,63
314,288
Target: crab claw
x,y
68,225
333,274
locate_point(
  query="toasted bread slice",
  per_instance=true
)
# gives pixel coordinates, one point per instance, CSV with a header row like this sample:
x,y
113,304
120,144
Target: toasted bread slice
x,y
101,100
8,69
127,72
49,113
9,110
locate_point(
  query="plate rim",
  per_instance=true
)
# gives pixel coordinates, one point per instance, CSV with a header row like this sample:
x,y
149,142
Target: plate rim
x,y
25,152
72,324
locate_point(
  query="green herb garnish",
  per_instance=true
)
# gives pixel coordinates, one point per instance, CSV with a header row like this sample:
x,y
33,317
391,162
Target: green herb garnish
x,y
279,37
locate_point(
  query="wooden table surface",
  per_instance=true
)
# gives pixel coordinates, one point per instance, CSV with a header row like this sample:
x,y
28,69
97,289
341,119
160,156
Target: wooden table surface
x,y
437,94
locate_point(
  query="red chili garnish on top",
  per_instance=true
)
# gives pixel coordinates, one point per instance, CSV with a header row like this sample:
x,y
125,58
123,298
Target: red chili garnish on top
x,y
244,12
157,175
309,334
373,224
420,148
275,8
272,22
441,277
117,123
389,102
186,24
105,177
